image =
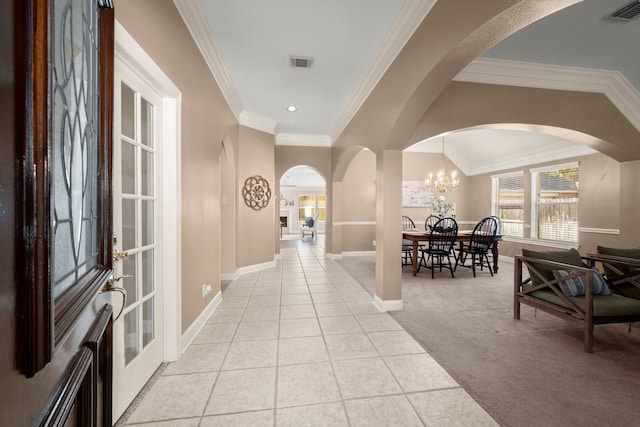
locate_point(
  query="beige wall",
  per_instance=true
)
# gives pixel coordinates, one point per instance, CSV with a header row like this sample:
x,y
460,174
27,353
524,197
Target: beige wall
x,y
358,203
206,118
601,203
416,167
256,237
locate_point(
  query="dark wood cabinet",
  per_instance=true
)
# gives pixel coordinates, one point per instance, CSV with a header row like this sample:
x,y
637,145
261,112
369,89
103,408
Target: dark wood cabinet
x,y
56,80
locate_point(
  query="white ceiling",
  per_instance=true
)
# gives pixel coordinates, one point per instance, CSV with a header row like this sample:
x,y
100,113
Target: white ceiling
x,y
353,42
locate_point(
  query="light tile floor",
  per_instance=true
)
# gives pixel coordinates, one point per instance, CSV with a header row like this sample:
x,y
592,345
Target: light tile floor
x,y
302,344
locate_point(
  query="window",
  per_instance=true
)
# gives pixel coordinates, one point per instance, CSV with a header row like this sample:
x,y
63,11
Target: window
x,y
554,196
306,207
322,208
508,202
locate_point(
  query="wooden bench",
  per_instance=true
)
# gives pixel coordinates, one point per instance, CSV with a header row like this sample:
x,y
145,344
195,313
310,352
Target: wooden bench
x,y
546,295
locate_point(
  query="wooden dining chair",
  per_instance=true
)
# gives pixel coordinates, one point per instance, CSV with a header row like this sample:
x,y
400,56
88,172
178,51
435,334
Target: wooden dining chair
x,y
407,245
430,222
482,238
442,239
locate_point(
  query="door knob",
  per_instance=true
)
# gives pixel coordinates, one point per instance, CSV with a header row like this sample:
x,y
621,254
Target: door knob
x,y
110,287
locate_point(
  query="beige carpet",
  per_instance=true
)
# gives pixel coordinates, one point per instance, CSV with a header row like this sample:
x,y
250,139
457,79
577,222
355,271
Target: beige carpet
x,y
528,372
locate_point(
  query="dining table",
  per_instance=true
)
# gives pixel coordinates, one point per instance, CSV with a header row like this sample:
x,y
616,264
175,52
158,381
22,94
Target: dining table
x,y
464,236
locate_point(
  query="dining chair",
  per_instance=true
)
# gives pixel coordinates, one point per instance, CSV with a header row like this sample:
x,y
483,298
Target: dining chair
x,y
482,238
407,245
442,239
430,222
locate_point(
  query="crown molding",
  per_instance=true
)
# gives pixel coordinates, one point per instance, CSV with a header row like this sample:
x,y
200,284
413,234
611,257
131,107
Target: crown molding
x,y
303,140
406,23
256,121
553,153
196,23
612,84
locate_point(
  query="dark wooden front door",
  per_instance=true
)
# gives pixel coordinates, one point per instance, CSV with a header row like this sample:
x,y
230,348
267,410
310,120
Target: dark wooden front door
x,y
56,75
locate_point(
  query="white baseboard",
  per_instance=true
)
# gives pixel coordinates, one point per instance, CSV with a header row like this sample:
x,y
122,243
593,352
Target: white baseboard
x,y
359,253
248,269
197,325
390,305
229,276
256,267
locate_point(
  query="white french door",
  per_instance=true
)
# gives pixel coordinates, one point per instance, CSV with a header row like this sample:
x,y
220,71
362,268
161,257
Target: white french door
x,y
138,333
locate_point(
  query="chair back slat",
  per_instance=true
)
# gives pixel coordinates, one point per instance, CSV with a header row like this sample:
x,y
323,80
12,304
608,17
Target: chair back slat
x,y
407,223
443,235
483,235
430,222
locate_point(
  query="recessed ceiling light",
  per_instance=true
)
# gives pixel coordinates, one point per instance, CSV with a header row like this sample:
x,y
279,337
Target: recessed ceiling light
x,y
291,108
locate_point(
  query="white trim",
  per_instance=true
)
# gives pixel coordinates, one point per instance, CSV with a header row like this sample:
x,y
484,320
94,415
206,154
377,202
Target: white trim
x,y
256,267
467,222
332,256
538,242
197,325
195,20
249,269
598,230
388,305
507,174
131,55
409,18
304,140
348,223
229,276
568,165
358,253
256,121
613,84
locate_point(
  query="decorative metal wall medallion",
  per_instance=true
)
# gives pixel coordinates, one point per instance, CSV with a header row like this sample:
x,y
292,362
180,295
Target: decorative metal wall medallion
x,y
256,192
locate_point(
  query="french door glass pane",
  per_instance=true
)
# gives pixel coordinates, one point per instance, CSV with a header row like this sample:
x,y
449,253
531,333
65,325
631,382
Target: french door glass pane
x,y
128,224
131,346
147,322
146,177
147,222
128,115
147,124
128,163
129,283
147,272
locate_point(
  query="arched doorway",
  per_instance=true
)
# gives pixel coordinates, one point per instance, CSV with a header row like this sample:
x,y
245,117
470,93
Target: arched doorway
x,y
303,194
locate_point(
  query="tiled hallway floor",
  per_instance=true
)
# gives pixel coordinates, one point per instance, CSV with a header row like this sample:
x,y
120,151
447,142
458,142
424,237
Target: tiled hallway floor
x,y
302,344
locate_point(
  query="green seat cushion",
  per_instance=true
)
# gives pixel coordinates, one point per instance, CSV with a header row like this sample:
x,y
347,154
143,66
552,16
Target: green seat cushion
x,y
603,305
569,256
626,289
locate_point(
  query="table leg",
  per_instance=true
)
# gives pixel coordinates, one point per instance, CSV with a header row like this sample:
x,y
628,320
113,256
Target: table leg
x,y
414,258
495,253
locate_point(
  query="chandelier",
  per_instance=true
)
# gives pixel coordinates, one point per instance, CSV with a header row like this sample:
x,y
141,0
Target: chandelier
x,y
443,183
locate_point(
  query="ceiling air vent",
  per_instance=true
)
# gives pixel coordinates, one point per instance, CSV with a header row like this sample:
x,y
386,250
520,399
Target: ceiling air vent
x,y
300,61
628,12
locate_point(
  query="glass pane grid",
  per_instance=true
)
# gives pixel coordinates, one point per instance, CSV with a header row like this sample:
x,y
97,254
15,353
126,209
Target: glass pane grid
x,y
557,205
511,205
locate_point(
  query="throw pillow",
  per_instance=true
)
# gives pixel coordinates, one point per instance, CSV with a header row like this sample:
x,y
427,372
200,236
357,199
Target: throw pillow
x,y
627,253
626,289
570,256
575,286
309,222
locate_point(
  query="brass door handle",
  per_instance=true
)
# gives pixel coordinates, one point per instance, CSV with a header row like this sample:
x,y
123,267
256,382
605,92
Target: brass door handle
x,y
110,287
